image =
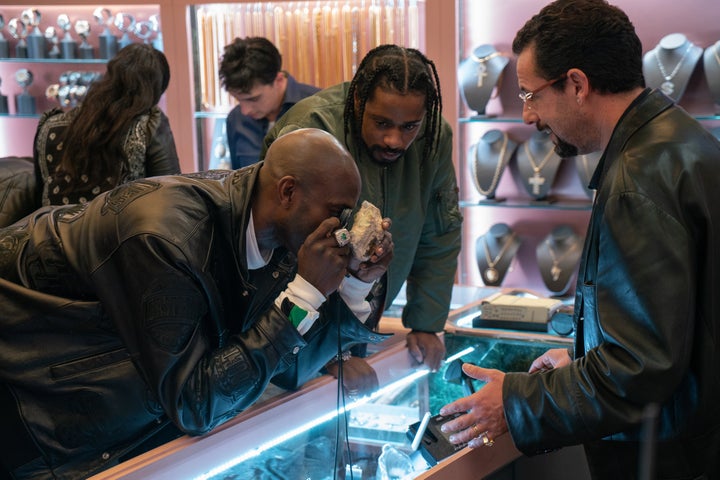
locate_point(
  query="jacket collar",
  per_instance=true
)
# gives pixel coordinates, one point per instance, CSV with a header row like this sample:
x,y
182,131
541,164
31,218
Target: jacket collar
x,y
648,105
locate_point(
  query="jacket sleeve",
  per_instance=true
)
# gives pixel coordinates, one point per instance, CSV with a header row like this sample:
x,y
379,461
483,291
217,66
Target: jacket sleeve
x,y
161,157
167,310
637,331
429,285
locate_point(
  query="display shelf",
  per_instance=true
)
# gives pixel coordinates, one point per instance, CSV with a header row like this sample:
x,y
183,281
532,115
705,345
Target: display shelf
x,y
494,23
559,204
55,61
17,128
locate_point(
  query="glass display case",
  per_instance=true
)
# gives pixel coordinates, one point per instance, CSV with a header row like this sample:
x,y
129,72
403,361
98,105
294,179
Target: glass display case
x,y
314,433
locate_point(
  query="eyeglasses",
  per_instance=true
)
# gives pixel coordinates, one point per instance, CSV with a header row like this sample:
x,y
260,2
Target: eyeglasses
x,y
527,96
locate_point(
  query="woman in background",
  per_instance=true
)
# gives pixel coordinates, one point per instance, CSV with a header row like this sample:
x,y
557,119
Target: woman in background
x,y
116,135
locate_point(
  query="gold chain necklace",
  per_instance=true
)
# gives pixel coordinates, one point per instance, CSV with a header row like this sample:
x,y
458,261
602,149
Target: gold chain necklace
x,y
482,65
498,168
668,87
555,270
537,180
491,272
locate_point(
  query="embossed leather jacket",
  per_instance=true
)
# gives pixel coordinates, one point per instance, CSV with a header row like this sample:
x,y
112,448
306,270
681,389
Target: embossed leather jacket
x,y
138,307
647,309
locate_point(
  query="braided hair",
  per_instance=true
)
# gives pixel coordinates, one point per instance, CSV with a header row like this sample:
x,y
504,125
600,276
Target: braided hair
x,y
403,70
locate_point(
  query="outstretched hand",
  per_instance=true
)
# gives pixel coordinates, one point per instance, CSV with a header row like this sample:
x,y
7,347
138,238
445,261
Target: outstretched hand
x,y
483,410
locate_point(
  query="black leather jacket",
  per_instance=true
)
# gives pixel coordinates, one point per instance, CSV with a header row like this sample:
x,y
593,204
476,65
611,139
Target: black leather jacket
x,y
138,307
647,305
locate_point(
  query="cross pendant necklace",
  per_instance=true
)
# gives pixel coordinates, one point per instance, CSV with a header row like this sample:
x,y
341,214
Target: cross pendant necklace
x,y
482,66
537,180
555,270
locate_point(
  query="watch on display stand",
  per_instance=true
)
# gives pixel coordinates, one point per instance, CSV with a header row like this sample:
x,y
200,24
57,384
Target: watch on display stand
x,y
107,42
24,102
3,102
85,50
124,22
52,37
35,39
4,45
18,30
68,45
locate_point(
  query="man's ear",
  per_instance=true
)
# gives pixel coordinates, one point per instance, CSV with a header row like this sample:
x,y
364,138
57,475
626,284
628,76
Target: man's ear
x,y
286,191
580,83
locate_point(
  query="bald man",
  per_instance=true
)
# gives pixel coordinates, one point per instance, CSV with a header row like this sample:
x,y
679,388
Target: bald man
x,y
167,305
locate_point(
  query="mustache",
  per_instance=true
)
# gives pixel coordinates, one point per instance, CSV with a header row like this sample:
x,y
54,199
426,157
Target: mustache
x,y
562,148
391,151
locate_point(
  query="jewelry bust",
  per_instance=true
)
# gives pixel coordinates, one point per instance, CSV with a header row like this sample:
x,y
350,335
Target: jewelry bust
x,y
557,258
711,64
495,252
479,76
487,159
538,165
670,64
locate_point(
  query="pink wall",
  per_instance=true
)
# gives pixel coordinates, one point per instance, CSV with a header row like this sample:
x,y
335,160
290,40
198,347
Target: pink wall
x,y
495,22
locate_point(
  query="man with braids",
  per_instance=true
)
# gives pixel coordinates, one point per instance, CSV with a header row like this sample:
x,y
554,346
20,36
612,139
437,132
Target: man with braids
x,y
390,119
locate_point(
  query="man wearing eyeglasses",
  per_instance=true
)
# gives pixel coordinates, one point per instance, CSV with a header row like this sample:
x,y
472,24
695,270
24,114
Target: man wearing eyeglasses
x,y
647,314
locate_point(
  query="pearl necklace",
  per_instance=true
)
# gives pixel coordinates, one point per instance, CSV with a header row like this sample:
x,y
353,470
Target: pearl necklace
x,y
498,168
482,65
668,87
491,272
537,180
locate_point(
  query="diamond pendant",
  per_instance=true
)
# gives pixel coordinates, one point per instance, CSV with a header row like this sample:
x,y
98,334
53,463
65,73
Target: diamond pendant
x,y
481,74
555,272
667,87
492,275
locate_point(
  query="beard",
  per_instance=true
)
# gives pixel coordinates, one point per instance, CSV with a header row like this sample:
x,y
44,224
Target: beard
x,y
377,153
564,149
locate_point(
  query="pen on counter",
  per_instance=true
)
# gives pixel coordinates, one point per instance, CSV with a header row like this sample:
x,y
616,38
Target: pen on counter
x,y
420,431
